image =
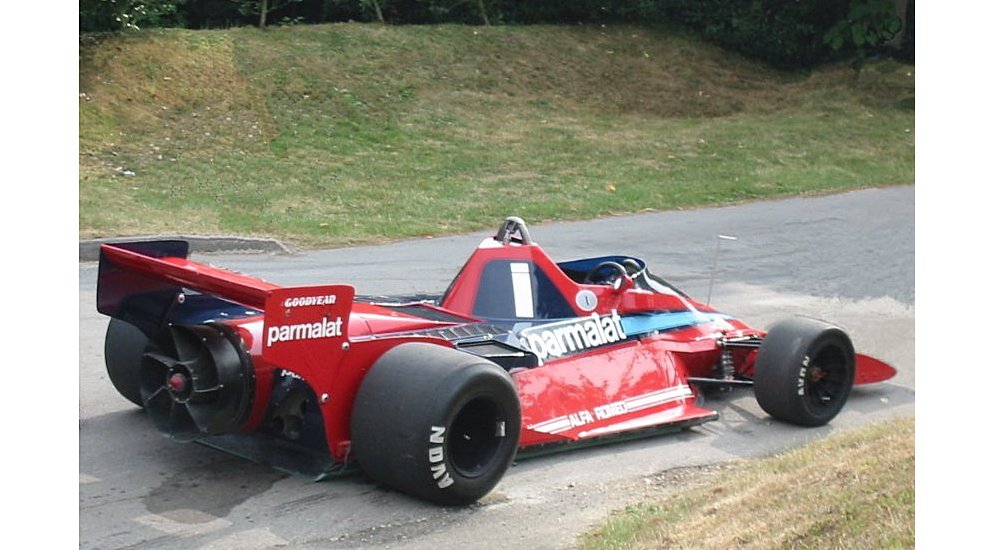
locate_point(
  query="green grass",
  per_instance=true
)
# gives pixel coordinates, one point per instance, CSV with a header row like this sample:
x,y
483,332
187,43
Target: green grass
x,y
335,134
853,490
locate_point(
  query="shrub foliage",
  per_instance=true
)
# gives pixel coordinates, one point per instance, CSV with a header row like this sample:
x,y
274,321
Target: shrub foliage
x,y
784,33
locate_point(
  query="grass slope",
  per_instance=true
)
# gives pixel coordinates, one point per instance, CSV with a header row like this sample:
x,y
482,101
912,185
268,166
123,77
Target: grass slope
x,y
853,490
335,134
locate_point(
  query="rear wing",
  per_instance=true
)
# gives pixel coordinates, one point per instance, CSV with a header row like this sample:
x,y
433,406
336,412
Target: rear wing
x,y
146,284
152,267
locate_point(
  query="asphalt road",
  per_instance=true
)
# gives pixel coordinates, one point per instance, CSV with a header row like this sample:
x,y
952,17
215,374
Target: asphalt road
x,y
846,258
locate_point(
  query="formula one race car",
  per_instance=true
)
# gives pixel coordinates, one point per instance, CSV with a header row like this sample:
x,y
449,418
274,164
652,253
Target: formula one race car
x,y
436,397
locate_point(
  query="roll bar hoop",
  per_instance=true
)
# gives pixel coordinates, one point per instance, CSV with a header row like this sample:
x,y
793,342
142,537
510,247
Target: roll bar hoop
x,y
512,225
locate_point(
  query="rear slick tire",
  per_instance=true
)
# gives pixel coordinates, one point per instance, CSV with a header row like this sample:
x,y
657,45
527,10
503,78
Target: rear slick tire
x,y
124,346
804,371
436,423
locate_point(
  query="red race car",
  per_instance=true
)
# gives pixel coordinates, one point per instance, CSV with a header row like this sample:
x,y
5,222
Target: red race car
x,y
435,397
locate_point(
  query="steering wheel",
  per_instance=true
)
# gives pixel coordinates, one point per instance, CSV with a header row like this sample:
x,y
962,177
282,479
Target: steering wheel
x,y
610,273
632,268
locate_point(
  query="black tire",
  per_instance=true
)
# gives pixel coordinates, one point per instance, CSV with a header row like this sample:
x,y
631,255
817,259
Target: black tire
x,y
804,371
124,346
436,423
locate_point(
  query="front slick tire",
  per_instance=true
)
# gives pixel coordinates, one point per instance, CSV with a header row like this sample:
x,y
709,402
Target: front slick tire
x,y
804,371
436,423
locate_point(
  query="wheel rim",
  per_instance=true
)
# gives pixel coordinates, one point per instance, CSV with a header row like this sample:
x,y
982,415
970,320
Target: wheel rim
x,y
475,437
827,379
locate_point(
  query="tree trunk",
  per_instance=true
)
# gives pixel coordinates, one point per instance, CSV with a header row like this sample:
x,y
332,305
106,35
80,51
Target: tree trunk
x,y
376,8
263,8
483,13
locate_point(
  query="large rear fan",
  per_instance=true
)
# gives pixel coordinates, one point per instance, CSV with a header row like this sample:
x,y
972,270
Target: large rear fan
x,y
196,381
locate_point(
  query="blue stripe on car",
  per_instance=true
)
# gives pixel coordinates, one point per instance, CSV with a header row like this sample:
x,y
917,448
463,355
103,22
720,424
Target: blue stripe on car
x,y
634,325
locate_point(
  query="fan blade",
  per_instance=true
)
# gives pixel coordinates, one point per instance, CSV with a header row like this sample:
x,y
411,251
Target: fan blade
x,y
181,425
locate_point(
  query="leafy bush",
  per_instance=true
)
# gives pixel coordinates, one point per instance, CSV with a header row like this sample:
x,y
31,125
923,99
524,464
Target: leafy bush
x,y
116,15
868,24
785,33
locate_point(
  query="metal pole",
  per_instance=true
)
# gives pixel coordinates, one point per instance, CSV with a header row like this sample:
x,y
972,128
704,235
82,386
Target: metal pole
x,y
715,265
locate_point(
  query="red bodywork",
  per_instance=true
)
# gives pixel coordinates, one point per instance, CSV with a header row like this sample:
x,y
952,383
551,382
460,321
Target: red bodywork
x,y
618,365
